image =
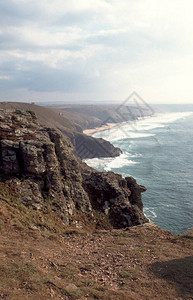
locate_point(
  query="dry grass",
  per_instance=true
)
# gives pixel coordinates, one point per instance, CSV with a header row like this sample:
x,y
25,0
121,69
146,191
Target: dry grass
x,y
42,259
95,265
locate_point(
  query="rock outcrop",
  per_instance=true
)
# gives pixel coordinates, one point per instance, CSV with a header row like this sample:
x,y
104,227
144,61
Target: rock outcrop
x,y
111,194
84,146
40,165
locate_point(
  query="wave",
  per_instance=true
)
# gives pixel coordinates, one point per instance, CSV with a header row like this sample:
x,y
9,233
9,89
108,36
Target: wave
x,y
110,163
133,154
116,134
149,212
166,157
160,120
135,129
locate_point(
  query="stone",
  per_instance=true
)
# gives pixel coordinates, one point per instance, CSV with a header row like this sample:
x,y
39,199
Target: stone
x,y
71,287
136,190
39,164
110,193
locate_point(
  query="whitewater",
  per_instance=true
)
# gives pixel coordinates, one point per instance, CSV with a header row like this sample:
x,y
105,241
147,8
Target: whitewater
x,y
158,152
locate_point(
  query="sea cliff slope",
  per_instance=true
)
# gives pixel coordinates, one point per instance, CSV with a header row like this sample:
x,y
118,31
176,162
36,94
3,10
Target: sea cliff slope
x,y
38,163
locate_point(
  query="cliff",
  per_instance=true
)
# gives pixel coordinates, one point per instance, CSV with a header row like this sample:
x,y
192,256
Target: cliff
x,y
39,165
56,219
84,146
95,115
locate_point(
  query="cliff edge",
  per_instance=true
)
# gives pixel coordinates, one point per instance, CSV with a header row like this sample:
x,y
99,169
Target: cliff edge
x,y
38,164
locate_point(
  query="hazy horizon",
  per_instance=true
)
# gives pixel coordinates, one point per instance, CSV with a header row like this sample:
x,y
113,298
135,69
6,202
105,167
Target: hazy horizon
x,y
96,50
82,102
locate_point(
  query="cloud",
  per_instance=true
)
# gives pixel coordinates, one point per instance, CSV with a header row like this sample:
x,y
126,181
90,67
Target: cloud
x,y
103,48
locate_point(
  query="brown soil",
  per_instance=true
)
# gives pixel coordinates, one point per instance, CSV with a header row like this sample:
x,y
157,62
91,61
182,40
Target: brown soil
x,y
143,262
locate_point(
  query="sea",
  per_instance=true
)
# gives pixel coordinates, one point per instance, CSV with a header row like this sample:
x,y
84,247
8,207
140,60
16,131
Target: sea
x,y
158,152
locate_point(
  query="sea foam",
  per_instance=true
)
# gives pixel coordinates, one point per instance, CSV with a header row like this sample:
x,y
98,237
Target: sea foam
x,y
110,163
138,128
163,165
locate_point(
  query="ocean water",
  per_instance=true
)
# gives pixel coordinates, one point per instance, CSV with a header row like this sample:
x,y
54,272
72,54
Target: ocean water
x,y
158,152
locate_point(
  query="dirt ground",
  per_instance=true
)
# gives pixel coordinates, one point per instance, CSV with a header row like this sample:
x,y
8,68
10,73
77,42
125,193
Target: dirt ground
x,y
143,262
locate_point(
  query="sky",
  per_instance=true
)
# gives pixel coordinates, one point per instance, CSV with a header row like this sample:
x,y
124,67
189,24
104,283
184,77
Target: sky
x,y
96,50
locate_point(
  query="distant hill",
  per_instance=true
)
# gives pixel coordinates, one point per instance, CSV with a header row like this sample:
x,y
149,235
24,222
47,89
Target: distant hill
x,y
95,115
46,116
85,146
85,121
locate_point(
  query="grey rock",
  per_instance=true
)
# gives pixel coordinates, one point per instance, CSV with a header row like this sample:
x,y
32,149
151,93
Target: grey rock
x,y
39,163
109,192
10,162
136,190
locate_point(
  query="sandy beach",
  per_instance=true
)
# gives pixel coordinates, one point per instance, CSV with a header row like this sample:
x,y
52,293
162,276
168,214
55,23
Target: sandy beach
x,y
102,128
112,125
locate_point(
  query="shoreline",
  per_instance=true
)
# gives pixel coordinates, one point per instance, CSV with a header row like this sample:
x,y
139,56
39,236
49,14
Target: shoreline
x,y
106,127
165,119
112,125
101,128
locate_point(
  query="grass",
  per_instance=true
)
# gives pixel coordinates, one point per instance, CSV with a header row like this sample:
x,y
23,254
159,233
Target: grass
x,y
44,268
46,220
40,258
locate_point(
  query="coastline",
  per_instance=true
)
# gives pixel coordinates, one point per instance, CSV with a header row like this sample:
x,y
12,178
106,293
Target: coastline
x,y
101,128
156,169
112,125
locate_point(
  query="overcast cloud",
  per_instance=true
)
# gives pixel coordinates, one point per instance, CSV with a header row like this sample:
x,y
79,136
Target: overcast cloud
x,y
96,50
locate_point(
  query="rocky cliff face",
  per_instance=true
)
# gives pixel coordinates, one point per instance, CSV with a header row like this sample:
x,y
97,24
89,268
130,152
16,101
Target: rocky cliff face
x,y
84,146
38,163
111,194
